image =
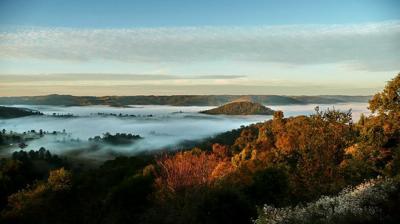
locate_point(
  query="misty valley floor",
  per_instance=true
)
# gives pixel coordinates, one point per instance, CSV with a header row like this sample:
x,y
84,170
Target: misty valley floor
x,y
162,127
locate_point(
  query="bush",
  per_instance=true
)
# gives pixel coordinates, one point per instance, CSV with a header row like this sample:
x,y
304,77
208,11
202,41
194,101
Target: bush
x,y
369,202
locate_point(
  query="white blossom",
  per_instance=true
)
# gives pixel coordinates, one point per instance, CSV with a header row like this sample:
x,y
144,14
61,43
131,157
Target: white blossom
x,y
360,202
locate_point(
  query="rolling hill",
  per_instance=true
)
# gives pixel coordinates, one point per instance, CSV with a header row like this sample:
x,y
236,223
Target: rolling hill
x,y
240,108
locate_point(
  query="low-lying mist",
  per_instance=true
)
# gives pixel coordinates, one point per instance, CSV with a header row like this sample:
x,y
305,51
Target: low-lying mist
x,y
162,127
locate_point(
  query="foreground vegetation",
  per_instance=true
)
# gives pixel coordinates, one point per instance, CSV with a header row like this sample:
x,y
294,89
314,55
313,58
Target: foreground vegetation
x,y
322,168
370,202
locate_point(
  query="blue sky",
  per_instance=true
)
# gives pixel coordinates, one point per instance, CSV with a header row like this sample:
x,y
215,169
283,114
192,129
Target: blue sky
x,y
255,47
156,13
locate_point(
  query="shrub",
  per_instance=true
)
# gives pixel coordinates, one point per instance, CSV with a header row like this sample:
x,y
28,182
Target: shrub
x,y
367,202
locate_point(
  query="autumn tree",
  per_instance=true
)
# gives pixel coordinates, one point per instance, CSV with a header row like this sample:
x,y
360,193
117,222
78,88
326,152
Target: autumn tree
x,y
192,168
31,203
380,133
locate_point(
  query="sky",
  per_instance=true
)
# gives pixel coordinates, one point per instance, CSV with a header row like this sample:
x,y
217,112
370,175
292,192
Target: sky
x,y
168,47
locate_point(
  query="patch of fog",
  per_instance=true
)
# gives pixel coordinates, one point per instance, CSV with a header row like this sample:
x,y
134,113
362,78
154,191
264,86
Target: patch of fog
x,y
139,110
295,110
167,126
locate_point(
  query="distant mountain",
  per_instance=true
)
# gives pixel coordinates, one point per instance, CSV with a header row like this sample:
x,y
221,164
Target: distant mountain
x,y
177,100
326,99
241,108
13,112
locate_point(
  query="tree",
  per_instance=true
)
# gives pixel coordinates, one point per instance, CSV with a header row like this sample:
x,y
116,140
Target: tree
x,y
35,203
59,179
186,169
278,115
387,101
384,128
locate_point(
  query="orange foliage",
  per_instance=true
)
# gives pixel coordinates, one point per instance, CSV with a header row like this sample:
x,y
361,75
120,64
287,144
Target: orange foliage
x,y
192,168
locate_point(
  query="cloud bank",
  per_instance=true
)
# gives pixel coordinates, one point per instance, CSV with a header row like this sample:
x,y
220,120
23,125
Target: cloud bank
x,y
371,47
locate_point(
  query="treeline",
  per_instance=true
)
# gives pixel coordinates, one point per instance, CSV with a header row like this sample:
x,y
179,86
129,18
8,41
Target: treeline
x,y
10,138
304,169
116,139
177,100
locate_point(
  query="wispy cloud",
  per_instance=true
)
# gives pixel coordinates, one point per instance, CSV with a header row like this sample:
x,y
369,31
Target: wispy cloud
x,y
373,47
12,78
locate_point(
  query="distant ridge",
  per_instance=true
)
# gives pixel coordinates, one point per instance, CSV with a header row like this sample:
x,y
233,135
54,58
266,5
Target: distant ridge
x,y
177,100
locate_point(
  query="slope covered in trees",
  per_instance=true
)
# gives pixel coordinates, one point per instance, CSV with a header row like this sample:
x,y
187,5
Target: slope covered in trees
x,y
14,112
322,168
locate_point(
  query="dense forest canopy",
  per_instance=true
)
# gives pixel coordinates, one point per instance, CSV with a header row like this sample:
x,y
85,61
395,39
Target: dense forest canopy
x,y
322,168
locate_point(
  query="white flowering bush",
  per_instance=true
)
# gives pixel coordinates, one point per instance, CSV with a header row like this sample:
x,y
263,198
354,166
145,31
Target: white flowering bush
x,y
362,203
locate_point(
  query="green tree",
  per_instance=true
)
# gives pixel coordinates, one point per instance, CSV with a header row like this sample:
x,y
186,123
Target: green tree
x,y
387,101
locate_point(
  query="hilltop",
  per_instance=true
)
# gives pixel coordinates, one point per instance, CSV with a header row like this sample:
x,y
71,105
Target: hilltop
x,y
240,108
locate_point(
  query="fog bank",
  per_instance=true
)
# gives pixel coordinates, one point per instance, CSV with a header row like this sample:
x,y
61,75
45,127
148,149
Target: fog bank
x,y
162,127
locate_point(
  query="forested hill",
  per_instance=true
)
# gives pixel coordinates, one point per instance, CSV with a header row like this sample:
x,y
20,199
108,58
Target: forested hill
x,y
13,112
241,108
177,100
